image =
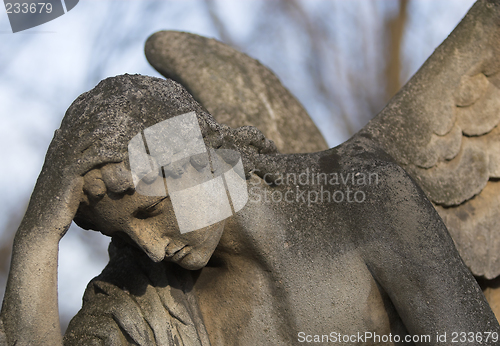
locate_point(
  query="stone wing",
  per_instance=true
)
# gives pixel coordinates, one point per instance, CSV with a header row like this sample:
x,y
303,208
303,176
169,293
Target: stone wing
x,y
236,89
442,127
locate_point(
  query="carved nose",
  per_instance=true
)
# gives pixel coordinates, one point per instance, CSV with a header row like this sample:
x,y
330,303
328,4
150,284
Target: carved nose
x,y
154,251
152,245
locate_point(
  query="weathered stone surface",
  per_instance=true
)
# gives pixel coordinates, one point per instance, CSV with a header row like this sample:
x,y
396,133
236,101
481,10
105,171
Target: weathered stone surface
x,y
337,242
491,289
236,89
442,127
474,228
324,233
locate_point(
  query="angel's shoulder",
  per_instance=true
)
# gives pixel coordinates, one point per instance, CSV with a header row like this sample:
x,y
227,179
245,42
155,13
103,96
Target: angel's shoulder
x,y
384,182
360,154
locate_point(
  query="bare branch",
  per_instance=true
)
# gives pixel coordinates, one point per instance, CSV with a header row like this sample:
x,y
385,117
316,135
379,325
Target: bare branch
x,y
395,28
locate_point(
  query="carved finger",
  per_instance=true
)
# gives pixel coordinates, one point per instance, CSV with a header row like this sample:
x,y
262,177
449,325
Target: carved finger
x,y
94,185
94,157
116,177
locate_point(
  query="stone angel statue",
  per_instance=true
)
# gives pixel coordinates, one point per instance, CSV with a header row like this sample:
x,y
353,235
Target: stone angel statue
x,y
327,246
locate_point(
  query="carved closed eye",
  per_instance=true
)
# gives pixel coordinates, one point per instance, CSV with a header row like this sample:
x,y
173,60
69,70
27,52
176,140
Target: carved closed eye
x,y
149,211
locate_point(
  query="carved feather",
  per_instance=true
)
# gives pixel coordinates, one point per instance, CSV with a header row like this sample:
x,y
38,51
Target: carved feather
x,y
442,128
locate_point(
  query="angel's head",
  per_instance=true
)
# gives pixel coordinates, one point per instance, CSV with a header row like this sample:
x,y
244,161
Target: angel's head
x,y
115,112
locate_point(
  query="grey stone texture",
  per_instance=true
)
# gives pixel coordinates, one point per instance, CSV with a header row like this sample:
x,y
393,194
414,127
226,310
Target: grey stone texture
x,y
442,128
337,242
236,89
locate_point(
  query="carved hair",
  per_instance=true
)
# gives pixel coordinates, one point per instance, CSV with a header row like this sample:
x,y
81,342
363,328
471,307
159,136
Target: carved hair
x,y
120,107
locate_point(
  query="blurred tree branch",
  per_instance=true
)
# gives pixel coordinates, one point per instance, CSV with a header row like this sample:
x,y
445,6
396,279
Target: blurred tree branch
x,y
395,28
343,58
218,23
367,72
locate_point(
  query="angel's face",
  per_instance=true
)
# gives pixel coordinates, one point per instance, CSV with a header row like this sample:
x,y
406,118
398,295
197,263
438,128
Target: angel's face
x,y
149,222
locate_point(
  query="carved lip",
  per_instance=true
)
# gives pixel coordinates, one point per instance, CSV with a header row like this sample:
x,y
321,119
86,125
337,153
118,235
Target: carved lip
x,y
170,254
180,254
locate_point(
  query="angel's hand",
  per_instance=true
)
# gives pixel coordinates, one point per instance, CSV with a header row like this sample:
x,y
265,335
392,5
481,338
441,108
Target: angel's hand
x,y
59,188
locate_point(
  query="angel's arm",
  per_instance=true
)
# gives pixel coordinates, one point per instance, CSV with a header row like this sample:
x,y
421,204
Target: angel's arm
x,y
30,310
412,256
30,314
